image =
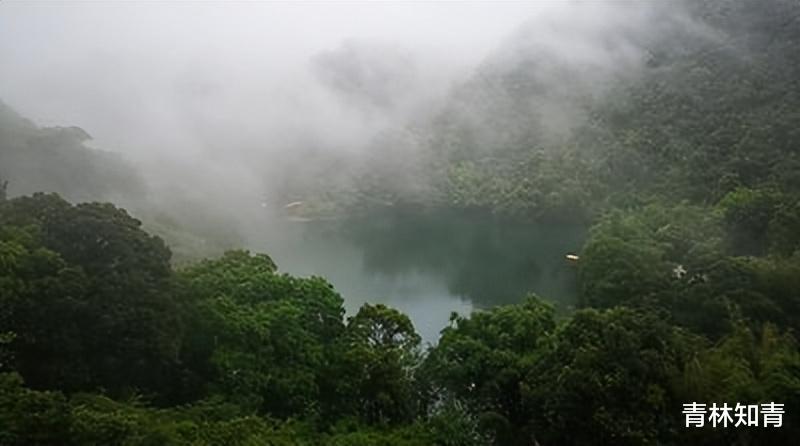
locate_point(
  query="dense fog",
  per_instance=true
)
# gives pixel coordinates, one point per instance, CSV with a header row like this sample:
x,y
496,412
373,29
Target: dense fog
x,y
226,106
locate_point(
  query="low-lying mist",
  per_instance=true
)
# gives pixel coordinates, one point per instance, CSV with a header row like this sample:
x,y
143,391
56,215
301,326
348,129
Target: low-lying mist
x,y
239,108
226,125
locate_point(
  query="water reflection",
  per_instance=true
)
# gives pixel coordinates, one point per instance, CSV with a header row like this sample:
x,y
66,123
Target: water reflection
x,y
429,264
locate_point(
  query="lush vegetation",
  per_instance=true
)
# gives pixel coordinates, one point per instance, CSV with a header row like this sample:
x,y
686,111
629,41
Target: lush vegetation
x,y
686,174
710,106
103,342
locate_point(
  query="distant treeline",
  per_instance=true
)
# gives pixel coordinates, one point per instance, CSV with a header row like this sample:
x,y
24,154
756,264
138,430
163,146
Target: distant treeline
x,y
711,105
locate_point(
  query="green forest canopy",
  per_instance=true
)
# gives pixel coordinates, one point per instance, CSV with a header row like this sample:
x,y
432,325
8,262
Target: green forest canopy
x,y
103,342
688,281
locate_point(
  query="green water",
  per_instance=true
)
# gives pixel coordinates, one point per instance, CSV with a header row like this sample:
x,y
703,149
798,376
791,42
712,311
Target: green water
x,y
429,264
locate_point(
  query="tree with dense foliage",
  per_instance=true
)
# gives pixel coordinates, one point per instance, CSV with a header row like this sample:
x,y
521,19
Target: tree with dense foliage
x,y
375,364
607,379
102,285
482,361
267,336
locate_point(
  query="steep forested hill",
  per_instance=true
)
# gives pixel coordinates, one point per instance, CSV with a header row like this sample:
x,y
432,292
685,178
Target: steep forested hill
x,y
700,100
55,159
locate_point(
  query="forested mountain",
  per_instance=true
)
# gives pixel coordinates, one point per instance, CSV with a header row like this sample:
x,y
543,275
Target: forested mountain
x,y
700,102
678,152
55,159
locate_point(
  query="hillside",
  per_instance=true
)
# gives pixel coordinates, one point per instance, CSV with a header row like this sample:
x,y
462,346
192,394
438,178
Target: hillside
x,y
703,102
56,159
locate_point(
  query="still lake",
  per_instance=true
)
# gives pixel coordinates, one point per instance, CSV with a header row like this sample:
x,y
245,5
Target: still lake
x,y
429,264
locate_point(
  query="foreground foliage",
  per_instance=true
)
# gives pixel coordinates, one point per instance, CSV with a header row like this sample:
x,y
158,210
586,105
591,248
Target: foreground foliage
x,y
103,342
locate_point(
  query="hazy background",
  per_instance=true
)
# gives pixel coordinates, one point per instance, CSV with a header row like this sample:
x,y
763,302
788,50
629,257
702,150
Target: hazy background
x,y
221,100
220,105
201,89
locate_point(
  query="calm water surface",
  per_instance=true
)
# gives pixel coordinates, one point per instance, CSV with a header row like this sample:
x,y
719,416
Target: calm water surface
x,y
430,264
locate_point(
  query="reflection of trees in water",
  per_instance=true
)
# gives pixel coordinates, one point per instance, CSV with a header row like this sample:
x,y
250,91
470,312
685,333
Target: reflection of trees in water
x,y
483,258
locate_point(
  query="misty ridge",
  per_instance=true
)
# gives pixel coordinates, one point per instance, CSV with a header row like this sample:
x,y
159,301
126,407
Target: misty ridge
x,y
356,123
400,224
